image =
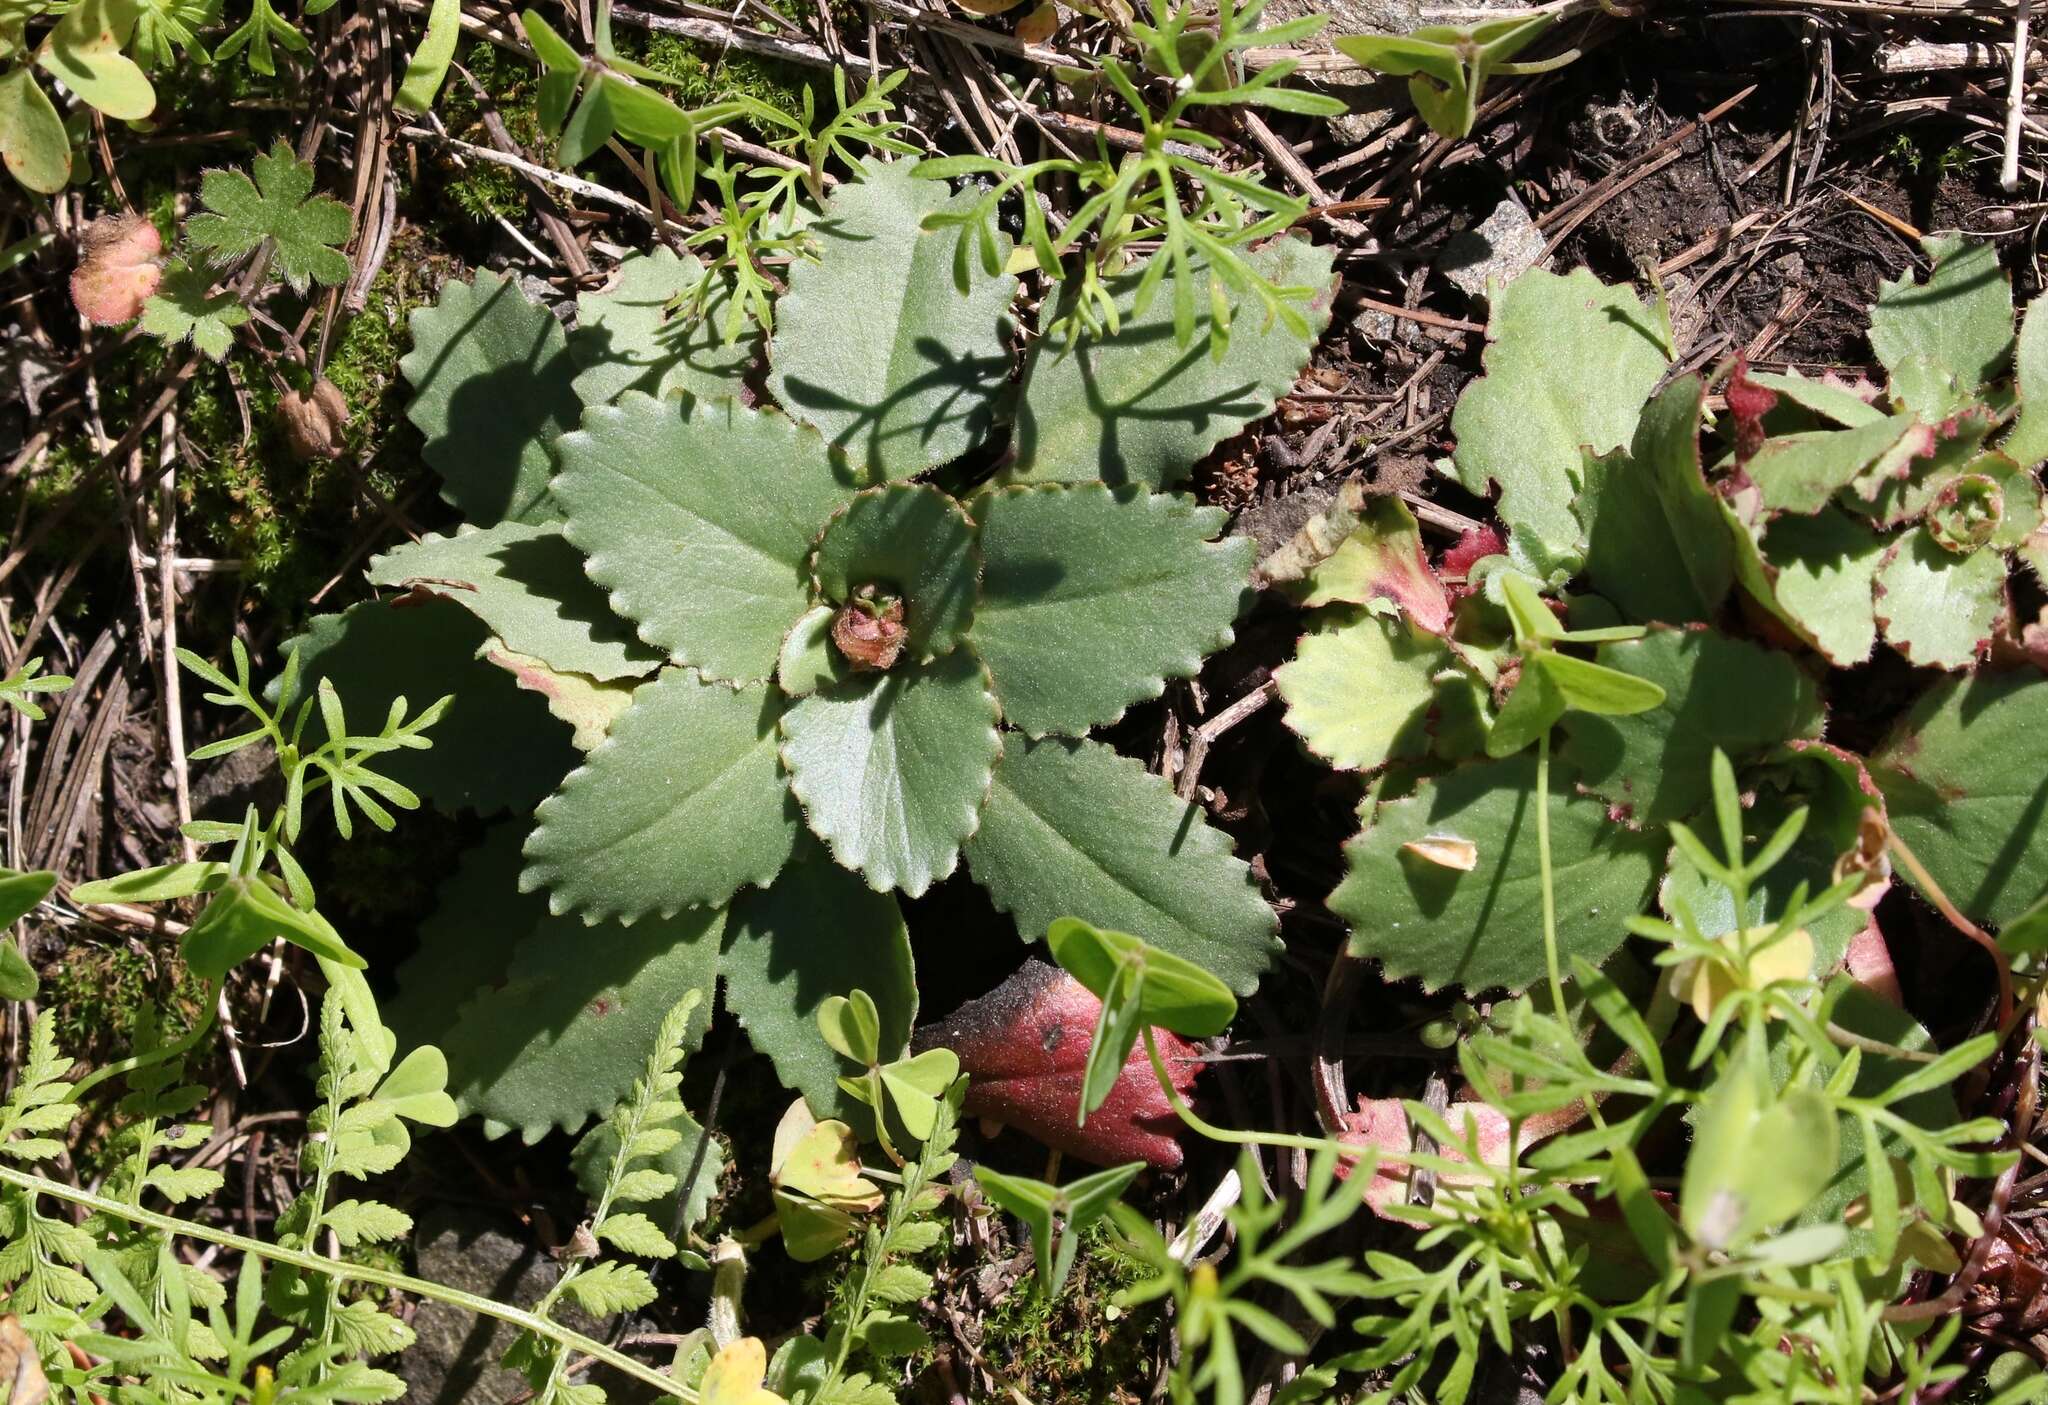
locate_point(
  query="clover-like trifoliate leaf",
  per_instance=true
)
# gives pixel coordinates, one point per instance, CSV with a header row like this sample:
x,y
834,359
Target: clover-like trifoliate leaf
x,y
1135,406
1954,330
681,806
184,306
1815,574
1074,830
892,768
1092,597
492,388
278,205
1719,693
559,1040
496,748
909,541
33,144
1964,790
84,50
817,931
1482,928
1359,687
527,583
1569,362
1655,543
873,342
1937,608
699,518
635,336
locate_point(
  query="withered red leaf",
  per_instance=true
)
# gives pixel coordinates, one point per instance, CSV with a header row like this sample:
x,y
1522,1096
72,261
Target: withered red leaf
x,y
1023,1046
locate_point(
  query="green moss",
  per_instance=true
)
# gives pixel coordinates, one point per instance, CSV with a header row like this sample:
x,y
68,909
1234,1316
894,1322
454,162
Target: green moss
x,y
1077,1344
96,992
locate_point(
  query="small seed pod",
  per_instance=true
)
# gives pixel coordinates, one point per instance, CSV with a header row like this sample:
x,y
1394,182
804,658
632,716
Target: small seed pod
x,y
313,422
117,269
870,638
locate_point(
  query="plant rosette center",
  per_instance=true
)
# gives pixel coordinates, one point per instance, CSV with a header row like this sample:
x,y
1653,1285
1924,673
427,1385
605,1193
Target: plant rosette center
x,y
868,630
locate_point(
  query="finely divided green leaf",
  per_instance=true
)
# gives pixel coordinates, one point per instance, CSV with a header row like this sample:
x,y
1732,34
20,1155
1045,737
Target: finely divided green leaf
x,y
278,205
1074,830
1092,598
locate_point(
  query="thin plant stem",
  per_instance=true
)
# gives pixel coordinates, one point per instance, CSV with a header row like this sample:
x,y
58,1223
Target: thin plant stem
x,y
1932,891
1224,1134
155,1056
355,1273
1550,961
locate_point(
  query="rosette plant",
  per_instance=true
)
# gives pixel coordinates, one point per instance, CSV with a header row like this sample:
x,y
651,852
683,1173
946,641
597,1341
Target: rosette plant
x,y
747,663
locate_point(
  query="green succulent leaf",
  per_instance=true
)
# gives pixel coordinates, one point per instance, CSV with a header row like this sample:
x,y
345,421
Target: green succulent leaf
x,y
1955,329
892,769
33,144
84,50
19,895
278,205
1730,1193
852,1027
699,518
1482,929
492,388
1135,405
1719,694
910,541
185,307
1814,573
682,805
874,344
638,335
496,748
428,67
1963,795
1091,598
817,931
1071,828
1935,607
244,916
527,583
1569,363
1359,688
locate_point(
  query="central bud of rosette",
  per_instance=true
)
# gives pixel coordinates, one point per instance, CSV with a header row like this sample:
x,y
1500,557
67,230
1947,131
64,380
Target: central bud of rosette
x,y
868,629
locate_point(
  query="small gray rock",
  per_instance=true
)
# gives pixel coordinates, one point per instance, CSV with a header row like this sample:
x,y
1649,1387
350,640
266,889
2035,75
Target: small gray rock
x,y
1505,245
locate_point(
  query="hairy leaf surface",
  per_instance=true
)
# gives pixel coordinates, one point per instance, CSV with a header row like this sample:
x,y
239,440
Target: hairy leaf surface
x,y
1483,929
1073,829
699,518
683,804
1359,688
874,344
1091,598
1935,607
633,335
491,379
1655,545
1134,406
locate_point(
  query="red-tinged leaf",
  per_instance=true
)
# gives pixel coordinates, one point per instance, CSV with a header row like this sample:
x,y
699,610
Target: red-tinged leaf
x,y
1469,550
1024,1046
1748,403
1383,559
